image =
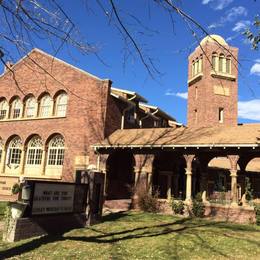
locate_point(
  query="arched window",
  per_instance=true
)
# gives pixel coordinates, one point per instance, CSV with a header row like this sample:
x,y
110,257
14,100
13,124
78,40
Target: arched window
x,y
56,151
46,106
30,107
14,151
34,152
61,104
214,61
221,63
196,66
200,64
228,65
3,109
193,69
16,108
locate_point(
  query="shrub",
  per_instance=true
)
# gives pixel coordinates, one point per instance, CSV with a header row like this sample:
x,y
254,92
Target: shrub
x,y
178,206
198,208
148,202
16,188
257,212
248,189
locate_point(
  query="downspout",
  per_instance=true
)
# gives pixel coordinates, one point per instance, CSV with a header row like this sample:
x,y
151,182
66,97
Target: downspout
x,y
146,116
156,111
130,105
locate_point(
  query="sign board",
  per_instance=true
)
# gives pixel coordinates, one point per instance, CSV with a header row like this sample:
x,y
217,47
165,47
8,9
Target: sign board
x,y
6,184
52,198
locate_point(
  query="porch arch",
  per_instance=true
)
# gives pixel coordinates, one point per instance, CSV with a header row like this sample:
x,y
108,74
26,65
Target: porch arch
x,y
120,177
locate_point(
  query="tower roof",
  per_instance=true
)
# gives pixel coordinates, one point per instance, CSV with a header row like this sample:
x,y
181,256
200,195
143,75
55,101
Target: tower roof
x,y
213,38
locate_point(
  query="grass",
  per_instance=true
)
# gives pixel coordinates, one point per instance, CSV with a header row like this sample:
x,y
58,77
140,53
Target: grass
x,y
2,209
144,236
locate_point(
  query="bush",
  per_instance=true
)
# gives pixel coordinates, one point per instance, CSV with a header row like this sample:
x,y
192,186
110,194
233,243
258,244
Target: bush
x,y
257,212
198,208
178,206
16,188
248,189
148,202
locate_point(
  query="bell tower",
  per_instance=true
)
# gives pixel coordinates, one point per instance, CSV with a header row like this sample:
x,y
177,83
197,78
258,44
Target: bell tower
x,y
212,84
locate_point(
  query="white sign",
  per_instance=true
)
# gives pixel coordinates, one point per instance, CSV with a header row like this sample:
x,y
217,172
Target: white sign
x,y
52,198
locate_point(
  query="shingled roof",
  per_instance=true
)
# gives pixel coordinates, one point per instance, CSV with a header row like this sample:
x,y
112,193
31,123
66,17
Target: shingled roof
x,y
241,135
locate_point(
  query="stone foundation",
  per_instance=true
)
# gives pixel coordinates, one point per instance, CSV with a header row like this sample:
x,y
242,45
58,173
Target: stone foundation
x,y
117,205
235,214
22,228
218,212
8,197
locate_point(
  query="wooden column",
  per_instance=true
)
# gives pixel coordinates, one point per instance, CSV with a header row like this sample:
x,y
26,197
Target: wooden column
x,y
233,174
189,158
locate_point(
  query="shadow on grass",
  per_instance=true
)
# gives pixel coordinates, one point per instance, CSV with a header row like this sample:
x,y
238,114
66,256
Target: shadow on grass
x,y
184,226
115,216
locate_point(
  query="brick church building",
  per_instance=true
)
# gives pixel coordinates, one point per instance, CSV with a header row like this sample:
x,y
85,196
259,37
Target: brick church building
x,y
51,113
57,120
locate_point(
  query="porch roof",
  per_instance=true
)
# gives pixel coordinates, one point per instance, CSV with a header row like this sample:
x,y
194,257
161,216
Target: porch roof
x,y
247,135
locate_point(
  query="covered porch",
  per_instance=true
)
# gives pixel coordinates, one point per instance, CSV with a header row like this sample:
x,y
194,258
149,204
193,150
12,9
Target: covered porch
x,y
178,162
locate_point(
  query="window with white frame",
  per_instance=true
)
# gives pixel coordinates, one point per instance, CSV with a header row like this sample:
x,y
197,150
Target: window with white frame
x,y
3,109
197,66
221,63
46,106
56,151
228,64
61,104
34,151
14,151
221,115
16,108
30,107
214,61
196,92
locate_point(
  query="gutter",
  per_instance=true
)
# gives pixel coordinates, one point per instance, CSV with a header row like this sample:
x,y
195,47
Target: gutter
x,y
129,107
178,146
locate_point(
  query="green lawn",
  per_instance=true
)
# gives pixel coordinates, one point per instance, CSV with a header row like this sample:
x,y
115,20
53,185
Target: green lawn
x,y
144,236
2,209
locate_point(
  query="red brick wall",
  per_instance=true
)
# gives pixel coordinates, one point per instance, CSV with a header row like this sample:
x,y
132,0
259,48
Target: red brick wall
x,y
208,103
86,111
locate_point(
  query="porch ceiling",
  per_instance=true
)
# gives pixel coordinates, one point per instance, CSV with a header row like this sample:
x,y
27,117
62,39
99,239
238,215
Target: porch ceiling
x,y
247,135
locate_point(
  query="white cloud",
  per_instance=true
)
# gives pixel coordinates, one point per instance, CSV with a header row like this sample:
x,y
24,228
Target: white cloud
x,y
205,2
234,12
249,109
183,95
214,25
230,15
255,69
217,4
221,4
241,26
257,60
246,41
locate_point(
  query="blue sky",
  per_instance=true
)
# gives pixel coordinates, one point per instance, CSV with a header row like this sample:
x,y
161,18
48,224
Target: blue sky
x,y
169,45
